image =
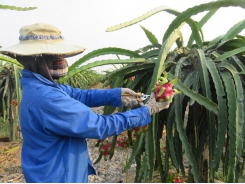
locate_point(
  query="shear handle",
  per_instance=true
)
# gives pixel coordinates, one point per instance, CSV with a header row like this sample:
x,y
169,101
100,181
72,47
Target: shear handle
x,y
138,97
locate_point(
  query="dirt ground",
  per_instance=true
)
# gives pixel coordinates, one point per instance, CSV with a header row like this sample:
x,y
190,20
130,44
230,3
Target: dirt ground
x,y
10,165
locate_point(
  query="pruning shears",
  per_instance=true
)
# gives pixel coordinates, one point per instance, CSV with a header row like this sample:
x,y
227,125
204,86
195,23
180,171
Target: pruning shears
x,y
140,96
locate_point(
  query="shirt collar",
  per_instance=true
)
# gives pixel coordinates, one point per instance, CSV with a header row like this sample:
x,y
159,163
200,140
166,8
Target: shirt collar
x,y
30,74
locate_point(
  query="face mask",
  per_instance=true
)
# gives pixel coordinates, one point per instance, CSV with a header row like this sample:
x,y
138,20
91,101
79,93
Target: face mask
x,y
58,67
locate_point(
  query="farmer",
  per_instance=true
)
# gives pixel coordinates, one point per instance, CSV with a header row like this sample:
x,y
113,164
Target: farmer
x,y
56,119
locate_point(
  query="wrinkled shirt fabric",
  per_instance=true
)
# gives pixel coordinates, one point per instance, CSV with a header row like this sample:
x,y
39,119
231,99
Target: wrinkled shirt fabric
x,y
55,122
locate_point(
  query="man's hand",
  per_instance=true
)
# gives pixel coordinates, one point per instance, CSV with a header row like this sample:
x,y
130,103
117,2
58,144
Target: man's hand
x,y
155,106
131,100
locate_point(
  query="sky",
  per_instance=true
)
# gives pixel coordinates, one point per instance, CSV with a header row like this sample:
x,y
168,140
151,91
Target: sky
x,y
84,22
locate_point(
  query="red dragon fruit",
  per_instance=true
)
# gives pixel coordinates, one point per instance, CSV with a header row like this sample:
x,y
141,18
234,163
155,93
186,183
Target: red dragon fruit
x,y
15,102
122,142
132,78
164,89
177,180
141,129
105,148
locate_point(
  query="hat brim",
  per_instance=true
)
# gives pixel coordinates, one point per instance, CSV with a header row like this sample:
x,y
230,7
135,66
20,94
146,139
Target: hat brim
x,y
33,47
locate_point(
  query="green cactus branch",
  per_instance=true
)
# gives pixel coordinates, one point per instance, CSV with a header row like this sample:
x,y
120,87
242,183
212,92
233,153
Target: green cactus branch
x,y
8,7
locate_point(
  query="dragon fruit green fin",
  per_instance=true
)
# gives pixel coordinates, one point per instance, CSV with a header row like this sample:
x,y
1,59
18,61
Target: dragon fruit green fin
x,y
153,89
164,81
176,91
161,91
173,82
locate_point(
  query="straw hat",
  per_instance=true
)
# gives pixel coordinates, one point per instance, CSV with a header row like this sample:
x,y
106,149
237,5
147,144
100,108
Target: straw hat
x,y
41,38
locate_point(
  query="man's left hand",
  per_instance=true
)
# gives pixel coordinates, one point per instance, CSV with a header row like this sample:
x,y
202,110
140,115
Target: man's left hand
x,y
131,100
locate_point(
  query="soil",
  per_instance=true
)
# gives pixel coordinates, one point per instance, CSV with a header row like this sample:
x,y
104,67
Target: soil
x,y
11,171
10,165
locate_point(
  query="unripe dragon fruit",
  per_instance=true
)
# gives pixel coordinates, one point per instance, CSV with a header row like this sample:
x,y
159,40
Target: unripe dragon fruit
x,y
164,89
105,148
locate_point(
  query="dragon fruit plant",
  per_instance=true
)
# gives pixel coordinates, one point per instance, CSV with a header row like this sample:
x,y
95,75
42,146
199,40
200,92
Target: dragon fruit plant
x,y
105,148
164,88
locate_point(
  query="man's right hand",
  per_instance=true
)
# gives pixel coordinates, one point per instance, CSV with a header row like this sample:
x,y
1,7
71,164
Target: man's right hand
x,y
155,106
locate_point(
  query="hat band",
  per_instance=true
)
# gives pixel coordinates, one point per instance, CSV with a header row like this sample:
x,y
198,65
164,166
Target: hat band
x,y
41,37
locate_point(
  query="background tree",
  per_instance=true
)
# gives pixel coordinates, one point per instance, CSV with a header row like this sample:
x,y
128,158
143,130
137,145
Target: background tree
x,y
85,79
9,85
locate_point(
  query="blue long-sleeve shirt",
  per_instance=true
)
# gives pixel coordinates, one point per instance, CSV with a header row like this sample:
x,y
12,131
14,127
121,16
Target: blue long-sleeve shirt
x,y
55,122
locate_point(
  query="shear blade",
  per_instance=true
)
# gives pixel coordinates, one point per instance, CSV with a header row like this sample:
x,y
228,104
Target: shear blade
x,y
144,97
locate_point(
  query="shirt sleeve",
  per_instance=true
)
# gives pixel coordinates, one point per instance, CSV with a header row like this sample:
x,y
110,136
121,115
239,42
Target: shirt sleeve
x,y
95,97
66,116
